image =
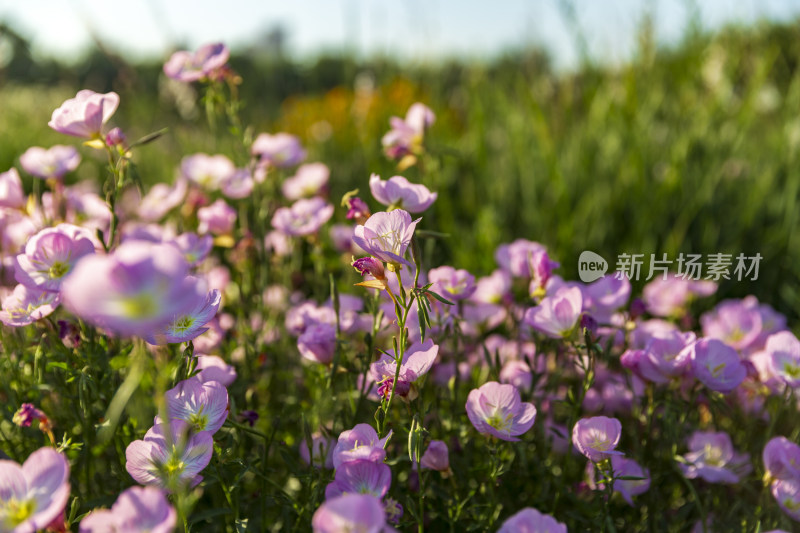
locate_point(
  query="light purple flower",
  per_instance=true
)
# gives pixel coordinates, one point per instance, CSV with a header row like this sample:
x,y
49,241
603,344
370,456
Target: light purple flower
x,y
33,496
26,305
787,493
557,315
84,115
213,368
137,510
190,322
321,453
238,185
11,193
399,193
310,179
194,247
193,66
279,150
350,513
436,457
361,442
516,258
51,255
670,297
318,343
167,460
453,284
716,365
666,356
541,268
783,351
517,373
203,405
217,218
734,322
136,289
596,437
50,163
304,217
529,520
605,296
712,457
360,477
208,171
386,236
417,361
406,135
782,458
161,199
628,488
497,410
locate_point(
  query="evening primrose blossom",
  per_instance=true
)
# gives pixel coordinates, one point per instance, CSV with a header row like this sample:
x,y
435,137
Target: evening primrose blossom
x,y
386,236
497,410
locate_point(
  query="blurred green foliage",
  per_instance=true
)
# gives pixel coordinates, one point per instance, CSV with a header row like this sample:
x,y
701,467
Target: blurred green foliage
x,y
691,149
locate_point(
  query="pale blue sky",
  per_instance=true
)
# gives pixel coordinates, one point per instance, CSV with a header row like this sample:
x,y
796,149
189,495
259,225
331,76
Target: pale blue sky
x,y
418,30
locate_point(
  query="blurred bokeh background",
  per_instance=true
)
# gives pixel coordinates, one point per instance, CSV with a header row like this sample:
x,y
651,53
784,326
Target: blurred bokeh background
x,y
622,126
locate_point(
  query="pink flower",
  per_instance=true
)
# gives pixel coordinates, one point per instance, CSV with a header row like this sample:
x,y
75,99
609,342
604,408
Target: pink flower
x,y
349,513
137,510
310,180
26,305
11,193
279,150
84,115
205,62
213,368
33,496
217,218
783,351
169,460
529,520
202,405
605,296
497,410
361,442
670,296
787,493
51,255
436,457
782,458
190,322
360,477
136,289
406,136
712,457
557,315
318,343
161,199
516,258
417,361
52,163
628,488
453,284
386,236
735,322
304,217
716,365
399,193
596,437
321,453
665,356
207,171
